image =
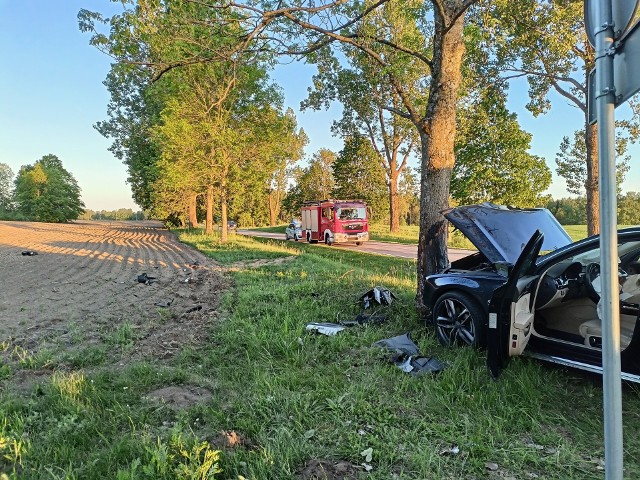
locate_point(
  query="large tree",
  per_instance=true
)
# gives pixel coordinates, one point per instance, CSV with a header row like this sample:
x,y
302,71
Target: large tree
x,y
47,192
306,27
545,41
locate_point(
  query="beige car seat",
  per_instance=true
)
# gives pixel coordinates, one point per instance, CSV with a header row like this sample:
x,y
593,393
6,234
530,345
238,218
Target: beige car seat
x,y
630,293
593,328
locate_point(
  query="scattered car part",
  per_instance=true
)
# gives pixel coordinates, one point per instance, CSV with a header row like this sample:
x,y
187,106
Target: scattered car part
x,y
146,279
401,344
379,295
29,253
365,318
329,329
406,356
419,364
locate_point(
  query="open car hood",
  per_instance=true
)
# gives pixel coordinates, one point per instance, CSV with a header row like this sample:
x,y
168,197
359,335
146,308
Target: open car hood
x,y
500,233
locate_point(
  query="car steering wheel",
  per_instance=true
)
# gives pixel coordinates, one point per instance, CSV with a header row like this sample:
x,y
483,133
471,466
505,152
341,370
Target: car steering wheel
x,y
590,274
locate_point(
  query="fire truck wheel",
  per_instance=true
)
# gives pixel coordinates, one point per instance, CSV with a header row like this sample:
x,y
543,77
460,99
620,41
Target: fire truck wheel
x,y
327,239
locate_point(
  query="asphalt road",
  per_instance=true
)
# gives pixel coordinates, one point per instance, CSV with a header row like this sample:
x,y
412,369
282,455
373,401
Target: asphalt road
x,y
381,248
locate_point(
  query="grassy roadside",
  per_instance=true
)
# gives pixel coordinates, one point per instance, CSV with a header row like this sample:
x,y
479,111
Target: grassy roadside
x,y
286,398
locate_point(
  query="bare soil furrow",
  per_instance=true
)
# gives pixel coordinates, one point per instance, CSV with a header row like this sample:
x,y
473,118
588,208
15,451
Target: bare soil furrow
x,y
82,287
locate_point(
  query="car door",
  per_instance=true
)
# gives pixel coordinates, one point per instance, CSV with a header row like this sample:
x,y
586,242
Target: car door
x,y
511,311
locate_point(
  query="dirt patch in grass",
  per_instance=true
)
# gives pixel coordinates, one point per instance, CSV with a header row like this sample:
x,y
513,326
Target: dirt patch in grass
x,y
81,291
319,469
180,397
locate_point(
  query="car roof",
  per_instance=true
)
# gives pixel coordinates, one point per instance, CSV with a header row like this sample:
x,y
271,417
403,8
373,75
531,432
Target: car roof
x,y
500,233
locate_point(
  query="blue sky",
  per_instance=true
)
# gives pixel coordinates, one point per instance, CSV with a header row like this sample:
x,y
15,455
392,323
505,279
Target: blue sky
x,y
51,95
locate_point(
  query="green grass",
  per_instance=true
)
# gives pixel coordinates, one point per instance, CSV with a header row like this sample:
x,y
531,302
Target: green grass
x,y
293,396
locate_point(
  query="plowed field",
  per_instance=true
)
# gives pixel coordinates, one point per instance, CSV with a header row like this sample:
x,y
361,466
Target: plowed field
x,y
83,287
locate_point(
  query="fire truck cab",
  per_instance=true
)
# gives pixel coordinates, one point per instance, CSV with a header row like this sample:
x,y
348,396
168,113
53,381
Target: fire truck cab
x,y
335,221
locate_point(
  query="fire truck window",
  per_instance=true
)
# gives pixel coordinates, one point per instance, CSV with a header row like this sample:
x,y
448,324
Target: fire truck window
x,y
355,213
327,213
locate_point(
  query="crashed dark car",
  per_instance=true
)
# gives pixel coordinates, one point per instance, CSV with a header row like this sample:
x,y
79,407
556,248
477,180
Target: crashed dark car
x,y
531,290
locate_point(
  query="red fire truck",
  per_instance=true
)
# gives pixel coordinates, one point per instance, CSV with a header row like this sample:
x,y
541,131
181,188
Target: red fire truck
x,y
335,221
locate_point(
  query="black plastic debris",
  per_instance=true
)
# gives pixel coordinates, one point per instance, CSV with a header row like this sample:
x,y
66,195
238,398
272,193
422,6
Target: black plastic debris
x,y
419,364
378,295
29,253
146,279
406,356
329,329
164,304
195,308
365,318
401,344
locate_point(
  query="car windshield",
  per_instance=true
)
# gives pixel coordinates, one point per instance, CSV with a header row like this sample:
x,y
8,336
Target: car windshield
x,y
593,255
352,213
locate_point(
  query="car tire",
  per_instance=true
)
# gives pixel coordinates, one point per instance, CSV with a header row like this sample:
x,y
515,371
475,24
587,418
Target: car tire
x,y
358,244
286,236
458,320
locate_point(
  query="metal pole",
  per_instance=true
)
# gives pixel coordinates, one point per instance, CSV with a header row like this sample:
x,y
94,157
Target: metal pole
x,y
609,308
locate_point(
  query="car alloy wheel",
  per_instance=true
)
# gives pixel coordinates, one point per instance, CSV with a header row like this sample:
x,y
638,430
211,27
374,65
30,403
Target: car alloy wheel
x,y
457,319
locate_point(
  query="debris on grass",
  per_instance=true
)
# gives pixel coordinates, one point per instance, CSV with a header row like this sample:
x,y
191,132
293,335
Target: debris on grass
x,y
419,364
365,318
401,344
406,356
379,295
329,329
491,466
367,454
452,450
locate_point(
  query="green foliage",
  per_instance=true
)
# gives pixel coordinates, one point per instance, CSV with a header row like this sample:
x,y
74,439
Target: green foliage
x,y
315,182
569,211
359,175
46,192
492,162
571,162
629,209
119,214
6,188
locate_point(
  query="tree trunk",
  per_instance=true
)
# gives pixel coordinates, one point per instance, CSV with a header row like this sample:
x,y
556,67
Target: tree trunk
x,y
591,184
394,213
437,137
209,222
223,212
193,214
273,208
